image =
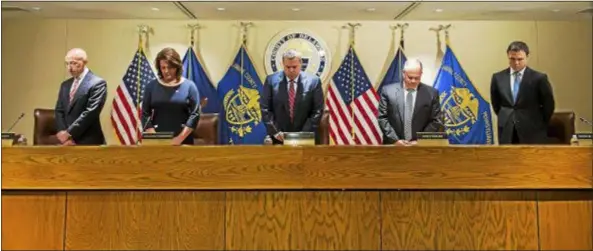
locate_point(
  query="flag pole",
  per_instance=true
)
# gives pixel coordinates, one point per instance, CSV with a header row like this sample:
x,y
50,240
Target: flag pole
x,y
352,43
446,29
142,30
244,26
403,27
193,28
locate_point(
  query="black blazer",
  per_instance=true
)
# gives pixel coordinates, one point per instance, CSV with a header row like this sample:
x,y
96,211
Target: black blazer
x,y
532,112
427,115
81,117
308,104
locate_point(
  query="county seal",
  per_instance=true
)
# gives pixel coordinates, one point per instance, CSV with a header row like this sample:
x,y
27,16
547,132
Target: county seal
x,y
315,53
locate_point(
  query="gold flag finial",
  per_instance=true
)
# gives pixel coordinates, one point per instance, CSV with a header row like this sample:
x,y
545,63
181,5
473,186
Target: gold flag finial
x,y
192,29
442,28
352,27
143,30
244,26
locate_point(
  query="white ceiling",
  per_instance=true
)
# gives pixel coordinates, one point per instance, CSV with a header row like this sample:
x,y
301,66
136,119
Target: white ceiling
x,y
499,10
296,10
307,10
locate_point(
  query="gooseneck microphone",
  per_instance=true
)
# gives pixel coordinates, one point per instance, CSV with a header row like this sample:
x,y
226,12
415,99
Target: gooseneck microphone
x,y
16,122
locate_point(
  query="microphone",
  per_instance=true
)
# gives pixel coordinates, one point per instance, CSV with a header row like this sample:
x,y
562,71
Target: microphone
x,y
148,120
586,121
16,122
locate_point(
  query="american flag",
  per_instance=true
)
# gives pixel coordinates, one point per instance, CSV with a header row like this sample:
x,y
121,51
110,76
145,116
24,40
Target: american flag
x,y
127,104
353,105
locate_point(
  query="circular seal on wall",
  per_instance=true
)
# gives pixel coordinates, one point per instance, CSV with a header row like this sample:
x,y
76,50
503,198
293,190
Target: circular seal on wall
x,y
315,53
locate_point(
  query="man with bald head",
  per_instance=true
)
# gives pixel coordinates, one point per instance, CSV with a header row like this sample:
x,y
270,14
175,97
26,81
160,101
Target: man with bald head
x,y
80,101
409,107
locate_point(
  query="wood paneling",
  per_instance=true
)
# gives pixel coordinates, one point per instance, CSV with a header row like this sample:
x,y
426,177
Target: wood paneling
x,y
488,220
302,221
320,167
159,202
145,220
449,167
151,167
566,220
33,220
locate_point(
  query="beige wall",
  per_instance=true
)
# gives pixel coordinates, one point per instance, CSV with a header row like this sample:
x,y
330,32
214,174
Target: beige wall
x,y
33,53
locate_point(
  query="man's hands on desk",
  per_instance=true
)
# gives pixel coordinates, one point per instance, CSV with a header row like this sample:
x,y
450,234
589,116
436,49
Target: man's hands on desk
x,y
405,143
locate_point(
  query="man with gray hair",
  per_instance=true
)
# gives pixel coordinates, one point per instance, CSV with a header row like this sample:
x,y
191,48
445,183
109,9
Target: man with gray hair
x,y
409,107
80,101
292,100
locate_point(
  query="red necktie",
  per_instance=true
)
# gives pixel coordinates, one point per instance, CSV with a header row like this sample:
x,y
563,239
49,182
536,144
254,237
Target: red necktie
x,y
74,88
291,99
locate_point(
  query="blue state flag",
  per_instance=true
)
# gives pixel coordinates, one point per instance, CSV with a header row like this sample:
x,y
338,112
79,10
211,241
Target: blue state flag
x,y
468,119
240,91
394,72
193,70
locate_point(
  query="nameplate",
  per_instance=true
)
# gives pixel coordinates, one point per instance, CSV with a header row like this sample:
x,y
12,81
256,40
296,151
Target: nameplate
x,y
299,138
157,138
157,135
584,135
584,138
431,135
8,138
8,135
432,138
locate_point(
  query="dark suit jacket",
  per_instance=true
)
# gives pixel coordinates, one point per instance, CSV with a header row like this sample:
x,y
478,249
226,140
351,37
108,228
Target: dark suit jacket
x,y
427,112
308,104
532,112
81,117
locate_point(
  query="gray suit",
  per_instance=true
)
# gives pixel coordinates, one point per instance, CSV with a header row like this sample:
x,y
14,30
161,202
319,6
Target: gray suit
x,y
81,116
427,115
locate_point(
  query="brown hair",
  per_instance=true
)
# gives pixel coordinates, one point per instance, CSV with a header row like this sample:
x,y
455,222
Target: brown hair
x,y
173,59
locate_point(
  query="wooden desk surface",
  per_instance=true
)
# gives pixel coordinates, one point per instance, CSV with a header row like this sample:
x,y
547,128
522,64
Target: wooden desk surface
x,y
288,168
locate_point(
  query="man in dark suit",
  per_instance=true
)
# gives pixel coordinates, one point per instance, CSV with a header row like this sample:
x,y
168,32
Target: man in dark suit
x,y
80,101
522,99
408,108
292,100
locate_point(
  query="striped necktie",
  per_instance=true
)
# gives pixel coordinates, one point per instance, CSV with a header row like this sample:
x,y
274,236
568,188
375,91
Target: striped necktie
x,y
291,95
74,88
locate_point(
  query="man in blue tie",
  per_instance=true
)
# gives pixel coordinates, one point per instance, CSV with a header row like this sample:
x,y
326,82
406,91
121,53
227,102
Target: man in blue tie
x,y
522,99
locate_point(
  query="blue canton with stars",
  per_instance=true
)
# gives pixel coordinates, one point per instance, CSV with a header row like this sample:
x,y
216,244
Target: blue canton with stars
x,y
131,77
342,78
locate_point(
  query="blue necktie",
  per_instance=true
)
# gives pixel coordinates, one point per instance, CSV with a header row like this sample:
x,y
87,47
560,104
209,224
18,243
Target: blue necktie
x,y
516,85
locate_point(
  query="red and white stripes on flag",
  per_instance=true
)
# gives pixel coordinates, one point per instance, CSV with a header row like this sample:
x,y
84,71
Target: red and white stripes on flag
x,y
353,104
127,105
